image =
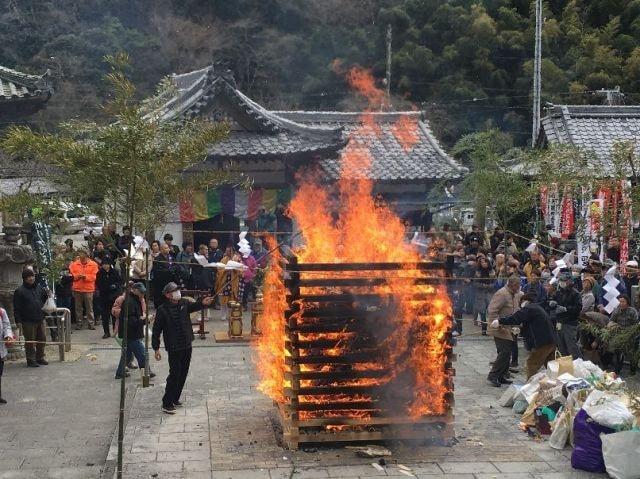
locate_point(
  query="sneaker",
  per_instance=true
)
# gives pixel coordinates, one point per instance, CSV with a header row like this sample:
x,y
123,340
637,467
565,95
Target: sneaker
x,y
106,335
152,375
90,326
42,362
177,404
126,375
494,382
3,401
505,381
169,409
132,366
32,364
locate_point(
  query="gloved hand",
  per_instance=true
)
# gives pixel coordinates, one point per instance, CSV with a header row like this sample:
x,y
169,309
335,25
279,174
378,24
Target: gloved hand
x,y
560,309
553,304
495,324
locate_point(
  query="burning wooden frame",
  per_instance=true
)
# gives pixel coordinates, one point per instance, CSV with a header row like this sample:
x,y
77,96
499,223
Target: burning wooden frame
x,y
367,353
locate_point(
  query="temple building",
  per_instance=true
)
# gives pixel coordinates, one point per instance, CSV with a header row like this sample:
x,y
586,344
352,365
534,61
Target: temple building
x,y
22,95
270,147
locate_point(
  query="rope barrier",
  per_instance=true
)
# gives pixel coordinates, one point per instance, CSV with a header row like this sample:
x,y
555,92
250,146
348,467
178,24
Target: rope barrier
x,y
551,248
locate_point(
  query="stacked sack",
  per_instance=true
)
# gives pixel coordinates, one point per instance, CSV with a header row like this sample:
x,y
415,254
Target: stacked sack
x,y
577,402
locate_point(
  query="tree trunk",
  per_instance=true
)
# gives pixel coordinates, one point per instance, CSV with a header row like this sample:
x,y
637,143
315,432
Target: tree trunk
x,y
480,213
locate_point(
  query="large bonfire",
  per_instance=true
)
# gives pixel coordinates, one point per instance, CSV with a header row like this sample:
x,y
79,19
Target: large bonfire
x,y
348,225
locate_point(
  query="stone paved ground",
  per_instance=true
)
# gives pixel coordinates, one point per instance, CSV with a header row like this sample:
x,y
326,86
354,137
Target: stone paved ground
x,y
226,431
60,421
60,418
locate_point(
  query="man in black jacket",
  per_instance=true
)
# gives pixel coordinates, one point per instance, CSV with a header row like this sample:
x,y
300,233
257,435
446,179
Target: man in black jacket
x,y
108,284
567,304
28,301
537,331
173,321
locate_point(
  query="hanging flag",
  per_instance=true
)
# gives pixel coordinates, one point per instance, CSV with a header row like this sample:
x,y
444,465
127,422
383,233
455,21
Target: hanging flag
x,y
254,203
626,225
228,201
583,233
185,206
567,218
213,205
544,206
202,205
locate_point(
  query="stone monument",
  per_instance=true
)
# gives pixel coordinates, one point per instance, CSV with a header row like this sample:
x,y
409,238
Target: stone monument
x,y
13,258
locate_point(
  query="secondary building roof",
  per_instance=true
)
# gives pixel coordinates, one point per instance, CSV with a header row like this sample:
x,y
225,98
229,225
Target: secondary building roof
x,y
594,129
402,146
413,156
22,94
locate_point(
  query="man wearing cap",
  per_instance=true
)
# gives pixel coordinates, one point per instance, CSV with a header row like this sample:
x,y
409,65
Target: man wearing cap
x,y
131,314
173,321
28,301
567,305
108,283
84,272
504,302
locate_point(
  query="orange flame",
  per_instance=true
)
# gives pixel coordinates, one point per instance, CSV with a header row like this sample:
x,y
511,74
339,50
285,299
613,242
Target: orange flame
x,y
360,229
405,130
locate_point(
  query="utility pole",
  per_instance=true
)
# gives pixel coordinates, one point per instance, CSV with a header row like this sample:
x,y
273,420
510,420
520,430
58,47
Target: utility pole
x,y
388,75
537,74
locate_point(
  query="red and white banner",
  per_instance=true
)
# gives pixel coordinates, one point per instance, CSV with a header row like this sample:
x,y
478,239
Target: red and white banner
x,y
567,216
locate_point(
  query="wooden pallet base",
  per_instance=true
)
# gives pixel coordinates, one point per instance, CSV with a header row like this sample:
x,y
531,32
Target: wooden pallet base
x,y
436,430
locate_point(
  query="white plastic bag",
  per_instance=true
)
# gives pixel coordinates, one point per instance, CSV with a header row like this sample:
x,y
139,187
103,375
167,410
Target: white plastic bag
x,y
584,369
509,396
561,429
49,306
621,452
566,377
531,388
607,410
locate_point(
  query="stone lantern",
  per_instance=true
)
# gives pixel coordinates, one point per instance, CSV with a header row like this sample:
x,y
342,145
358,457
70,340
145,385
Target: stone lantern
x,y
13,258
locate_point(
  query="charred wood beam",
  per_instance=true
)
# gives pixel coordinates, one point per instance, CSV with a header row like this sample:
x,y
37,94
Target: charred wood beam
x,y
301,267
346,297
337,375
342,282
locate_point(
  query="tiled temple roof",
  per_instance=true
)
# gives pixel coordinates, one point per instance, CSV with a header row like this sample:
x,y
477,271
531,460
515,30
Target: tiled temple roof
x,y
302,136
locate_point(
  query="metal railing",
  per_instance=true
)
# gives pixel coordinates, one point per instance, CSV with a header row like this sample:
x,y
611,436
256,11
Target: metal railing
x,y
59,325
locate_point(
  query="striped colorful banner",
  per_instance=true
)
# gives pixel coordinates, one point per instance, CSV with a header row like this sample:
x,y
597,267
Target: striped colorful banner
x,y
240,203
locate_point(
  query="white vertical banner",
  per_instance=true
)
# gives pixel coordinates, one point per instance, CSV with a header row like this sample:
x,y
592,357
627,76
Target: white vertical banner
x,y
583,235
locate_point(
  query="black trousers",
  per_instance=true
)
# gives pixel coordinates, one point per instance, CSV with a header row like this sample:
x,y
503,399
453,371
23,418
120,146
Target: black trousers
x,y
34,332
179,362
514,350
501,364
106,303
